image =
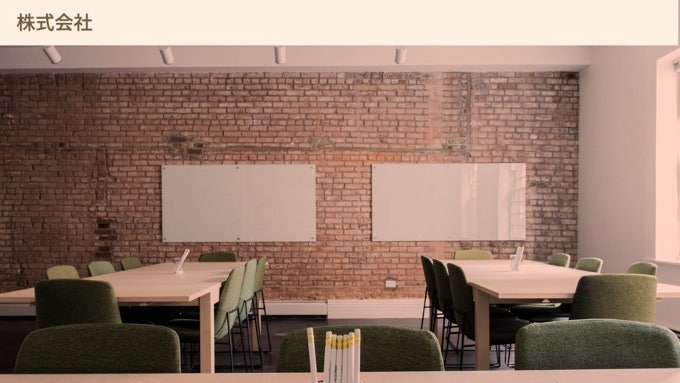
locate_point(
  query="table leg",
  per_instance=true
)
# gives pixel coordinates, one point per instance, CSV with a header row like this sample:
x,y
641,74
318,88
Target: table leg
x,y
482,341
207,341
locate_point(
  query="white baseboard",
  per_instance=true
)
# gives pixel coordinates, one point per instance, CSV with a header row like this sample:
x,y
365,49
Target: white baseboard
x,y
350,309
375,308
17,310
297,308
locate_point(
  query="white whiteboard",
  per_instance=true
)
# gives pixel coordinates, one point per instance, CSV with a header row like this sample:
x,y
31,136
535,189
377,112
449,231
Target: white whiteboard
x,y
239,203
449,202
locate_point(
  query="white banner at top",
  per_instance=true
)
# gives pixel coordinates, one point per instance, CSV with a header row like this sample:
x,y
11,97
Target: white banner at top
x,y
334,22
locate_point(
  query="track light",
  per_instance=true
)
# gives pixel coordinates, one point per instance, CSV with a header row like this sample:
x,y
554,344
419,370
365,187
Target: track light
x,y
166,54
400,56
53,54
280,55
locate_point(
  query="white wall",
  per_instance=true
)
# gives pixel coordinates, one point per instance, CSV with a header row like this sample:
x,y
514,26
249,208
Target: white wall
x,y
617,158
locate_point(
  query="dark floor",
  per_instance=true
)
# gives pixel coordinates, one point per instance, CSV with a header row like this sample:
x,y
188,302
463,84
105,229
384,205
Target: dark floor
x,y
14,329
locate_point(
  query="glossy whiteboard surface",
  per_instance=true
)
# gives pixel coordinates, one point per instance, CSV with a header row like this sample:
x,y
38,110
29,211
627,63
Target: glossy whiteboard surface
x,y
449,202
239,203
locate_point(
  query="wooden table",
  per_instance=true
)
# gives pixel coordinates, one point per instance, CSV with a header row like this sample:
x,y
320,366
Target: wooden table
x,y
505,376
198,284
494,282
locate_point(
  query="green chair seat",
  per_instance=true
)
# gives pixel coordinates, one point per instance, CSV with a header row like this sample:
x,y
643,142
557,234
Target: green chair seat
x,y
642,268
433,307
128,263
96,348
100,267
589,264
559,259
472,254
383,348
615,296
70,301
595,344
62,272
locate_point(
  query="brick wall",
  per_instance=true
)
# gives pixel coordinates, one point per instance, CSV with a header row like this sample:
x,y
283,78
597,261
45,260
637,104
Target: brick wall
x,y
81,155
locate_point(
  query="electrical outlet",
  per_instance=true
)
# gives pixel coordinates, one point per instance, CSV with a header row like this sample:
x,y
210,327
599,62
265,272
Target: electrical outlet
x,y
390,283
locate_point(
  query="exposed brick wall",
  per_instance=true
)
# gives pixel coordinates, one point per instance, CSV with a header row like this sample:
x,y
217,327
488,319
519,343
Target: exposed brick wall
x,y
81,156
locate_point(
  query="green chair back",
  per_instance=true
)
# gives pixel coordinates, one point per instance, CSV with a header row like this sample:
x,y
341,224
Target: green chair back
x,y
647,268
100,267
99,348
615,296
218,256
461,296
129,263
259,273
247,290
62,272
383,348
474,254
559,259
589,264
595,344
227,307
442,281
430,281
70,301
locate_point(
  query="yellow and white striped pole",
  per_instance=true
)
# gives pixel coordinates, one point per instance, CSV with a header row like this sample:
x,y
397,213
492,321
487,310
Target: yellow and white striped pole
x,y
312,354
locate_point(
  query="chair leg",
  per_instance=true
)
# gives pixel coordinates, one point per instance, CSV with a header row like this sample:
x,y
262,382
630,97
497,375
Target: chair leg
x,y
263,316
425,307
258,336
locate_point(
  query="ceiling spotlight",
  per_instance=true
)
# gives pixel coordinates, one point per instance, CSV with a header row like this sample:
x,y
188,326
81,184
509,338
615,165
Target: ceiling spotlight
x,y
400,56
53,54
166,54
280,55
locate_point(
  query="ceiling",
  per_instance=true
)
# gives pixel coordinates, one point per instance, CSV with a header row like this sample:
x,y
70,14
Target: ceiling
x,y
22,59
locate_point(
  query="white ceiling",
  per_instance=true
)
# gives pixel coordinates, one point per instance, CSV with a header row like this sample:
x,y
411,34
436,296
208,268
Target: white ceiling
x,y
14,59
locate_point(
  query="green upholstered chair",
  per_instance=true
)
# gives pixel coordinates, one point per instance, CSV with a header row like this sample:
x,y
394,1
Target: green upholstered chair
x,y
100,267
70,301
226,315
129,263
383,348
502,326
474,254
261,305
642,268
615,296
218,256
99,348
62,272
559,259
595,344
589,264
435,311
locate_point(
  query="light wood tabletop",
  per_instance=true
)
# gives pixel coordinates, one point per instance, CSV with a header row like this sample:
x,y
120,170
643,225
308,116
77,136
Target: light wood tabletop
x,y
505,376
